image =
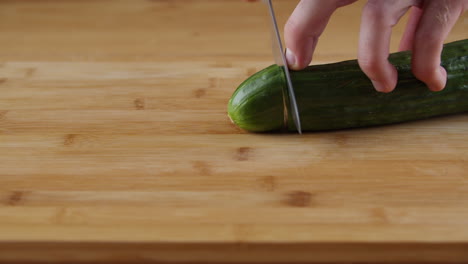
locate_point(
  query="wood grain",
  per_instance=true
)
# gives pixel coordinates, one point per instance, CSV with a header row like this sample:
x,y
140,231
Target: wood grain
x,y
115,146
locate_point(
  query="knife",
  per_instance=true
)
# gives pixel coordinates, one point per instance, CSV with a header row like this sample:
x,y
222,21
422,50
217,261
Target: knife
x,y
280,60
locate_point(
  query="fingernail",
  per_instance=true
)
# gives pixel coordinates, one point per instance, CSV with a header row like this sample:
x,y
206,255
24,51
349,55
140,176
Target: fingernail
x,y
381,87
291,58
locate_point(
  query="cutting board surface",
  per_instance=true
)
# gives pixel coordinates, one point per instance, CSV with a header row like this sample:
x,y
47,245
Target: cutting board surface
x,y
114,137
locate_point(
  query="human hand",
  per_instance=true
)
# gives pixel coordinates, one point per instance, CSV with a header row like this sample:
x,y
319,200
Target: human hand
x,y
429,23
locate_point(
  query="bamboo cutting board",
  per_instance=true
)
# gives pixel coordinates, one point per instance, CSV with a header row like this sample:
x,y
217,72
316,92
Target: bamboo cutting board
x,y
115,145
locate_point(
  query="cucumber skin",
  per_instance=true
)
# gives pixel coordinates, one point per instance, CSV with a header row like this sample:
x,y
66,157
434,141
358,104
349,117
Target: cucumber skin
x,y
340,96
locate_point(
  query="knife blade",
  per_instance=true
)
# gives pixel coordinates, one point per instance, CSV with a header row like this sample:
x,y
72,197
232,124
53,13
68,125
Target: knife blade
x,y
280,60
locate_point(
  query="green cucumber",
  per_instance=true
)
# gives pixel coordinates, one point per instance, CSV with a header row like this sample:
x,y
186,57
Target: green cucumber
x,y
339,95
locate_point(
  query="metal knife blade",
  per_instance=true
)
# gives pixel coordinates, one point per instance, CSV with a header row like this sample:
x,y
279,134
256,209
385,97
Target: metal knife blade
x,y
280,59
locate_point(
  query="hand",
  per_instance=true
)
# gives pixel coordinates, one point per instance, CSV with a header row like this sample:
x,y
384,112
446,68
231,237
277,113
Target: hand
x,y
429,24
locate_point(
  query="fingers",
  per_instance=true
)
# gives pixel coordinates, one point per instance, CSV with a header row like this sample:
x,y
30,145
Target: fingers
x,y
437,20
406,42
378,18
429,24
304,27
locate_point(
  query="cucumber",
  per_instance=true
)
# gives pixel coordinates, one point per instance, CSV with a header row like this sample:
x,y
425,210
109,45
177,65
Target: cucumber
x,y
340,96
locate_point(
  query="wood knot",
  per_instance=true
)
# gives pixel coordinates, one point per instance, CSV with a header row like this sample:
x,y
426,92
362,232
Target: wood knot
x,y
29,72
69,139
202,167
3,114
267,183
14,198
243,153
214,83
298,199
139,103
60,215
3,80
199,92
380,215
341,140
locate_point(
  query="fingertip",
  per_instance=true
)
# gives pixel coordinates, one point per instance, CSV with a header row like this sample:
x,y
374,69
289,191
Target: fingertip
x,y
299,62
383,87
432,74
439,80
291,60
387,82
379,87
382,74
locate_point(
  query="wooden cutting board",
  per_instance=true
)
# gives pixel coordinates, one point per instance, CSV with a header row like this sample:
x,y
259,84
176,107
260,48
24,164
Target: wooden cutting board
x,y
115,145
